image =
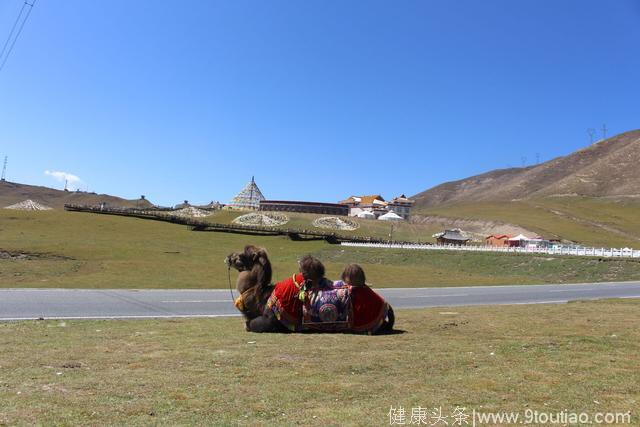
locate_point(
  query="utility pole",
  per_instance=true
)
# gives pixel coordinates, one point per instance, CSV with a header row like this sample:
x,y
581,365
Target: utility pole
x,y
4,169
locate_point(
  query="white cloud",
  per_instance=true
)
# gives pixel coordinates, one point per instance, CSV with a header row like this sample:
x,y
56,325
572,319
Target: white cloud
x,y
73,181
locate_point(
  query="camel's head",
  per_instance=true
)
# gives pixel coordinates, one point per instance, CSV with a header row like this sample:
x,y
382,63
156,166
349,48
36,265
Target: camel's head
x,y
248,258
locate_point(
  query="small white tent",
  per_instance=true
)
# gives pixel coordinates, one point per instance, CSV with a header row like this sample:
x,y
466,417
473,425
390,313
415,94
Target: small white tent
x,y
366,215
518,238
390,216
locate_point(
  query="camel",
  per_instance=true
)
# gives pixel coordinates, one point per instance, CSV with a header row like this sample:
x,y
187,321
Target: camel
x,y
305,301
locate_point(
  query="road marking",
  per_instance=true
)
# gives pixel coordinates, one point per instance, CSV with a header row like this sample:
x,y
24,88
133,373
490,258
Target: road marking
x,y
433,296
159,316
198,300
599,284
562,301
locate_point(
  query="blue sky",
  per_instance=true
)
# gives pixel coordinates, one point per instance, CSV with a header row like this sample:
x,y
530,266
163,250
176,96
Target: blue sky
x,y
318,99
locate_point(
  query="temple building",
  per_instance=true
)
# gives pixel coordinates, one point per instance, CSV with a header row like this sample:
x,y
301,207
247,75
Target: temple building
x,y
401,205
248,198
453,237
376,205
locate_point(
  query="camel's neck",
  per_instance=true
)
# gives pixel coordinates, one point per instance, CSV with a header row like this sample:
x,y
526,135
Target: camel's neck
x,y
263,274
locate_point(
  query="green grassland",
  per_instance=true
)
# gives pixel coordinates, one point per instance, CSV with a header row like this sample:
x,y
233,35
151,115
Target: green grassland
x,y
588,221
80,250
578,357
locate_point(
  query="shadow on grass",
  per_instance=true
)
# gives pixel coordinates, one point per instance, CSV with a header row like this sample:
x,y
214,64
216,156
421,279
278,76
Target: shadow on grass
x,y
312,331
393,332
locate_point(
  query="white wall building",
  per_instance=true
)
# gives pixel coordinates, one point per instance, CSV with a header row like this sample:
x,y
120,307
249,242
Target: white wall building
x,y
378,206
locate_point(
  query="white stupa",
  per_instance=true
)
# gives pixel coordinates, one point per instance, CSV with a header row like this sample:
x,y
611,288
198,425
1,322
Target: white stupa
x,y
249,197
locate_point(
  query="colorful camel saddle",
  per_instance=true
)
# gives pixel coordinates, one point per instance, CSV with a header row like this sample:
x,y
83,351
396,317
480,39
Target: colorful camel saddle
x,y
327,309
333,306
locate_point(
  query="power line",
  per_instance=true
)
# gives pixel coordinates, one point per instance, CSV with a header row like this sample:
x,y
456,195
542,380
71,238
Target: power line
x,y
12,43
15,24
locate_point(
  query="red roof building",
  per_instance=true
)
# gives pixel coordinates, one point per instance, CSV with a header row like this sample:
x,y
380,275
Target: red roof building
x,y
498,240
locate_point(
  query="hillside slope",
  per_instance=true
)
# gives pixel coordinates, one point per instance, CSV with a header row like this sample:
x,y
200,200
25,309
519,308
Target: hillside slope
x,y
604,169
590,221
11,192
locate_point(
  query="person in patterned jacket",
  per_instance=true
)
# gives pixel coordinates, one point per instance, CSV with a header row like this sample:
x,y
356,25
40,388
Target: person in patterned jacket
x,y
283,311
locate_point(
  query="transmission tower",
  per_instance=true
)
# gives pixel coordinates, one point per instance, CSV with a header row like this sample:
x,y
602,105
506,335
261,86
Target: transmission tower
x,y
604,131
4,169
537,158
592,134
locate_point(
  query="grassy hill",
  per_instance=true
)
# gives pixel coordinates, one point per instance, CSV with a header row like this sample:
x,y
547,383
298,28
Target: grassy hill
x,y
605,169
585,220
591,197
12,192
80,250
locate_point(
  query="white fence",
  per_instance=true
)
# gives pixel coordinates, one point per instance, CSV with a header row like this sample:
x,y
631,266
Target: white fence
x,y
554,250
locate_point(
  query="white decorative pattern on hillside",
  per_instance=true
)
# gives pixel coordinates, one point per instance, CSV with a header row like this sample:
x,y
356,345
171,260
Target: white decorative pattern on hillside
x,y
29,205
270,219
191,212
335,223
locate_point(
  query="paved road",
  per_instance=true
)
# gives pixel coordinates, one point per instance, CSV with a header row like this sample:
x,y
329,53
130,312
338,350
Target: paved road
x,y
23,304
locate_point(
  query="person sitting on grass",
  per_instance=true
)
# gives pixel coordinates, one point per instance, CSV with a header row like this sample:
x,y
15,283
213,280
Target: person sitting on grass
x,y
370,307
283,311
353,275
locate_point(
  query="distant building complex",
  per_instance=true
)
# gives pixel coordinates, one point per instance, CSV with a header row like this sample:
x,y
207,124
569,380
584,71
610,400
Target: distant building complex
x,y
304,207
250,197
375,206
368,207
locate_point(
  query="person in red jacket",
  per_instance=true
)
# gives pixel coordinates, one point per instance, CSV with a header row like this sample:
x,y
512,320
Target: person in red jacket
x,y
283,310
369,309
